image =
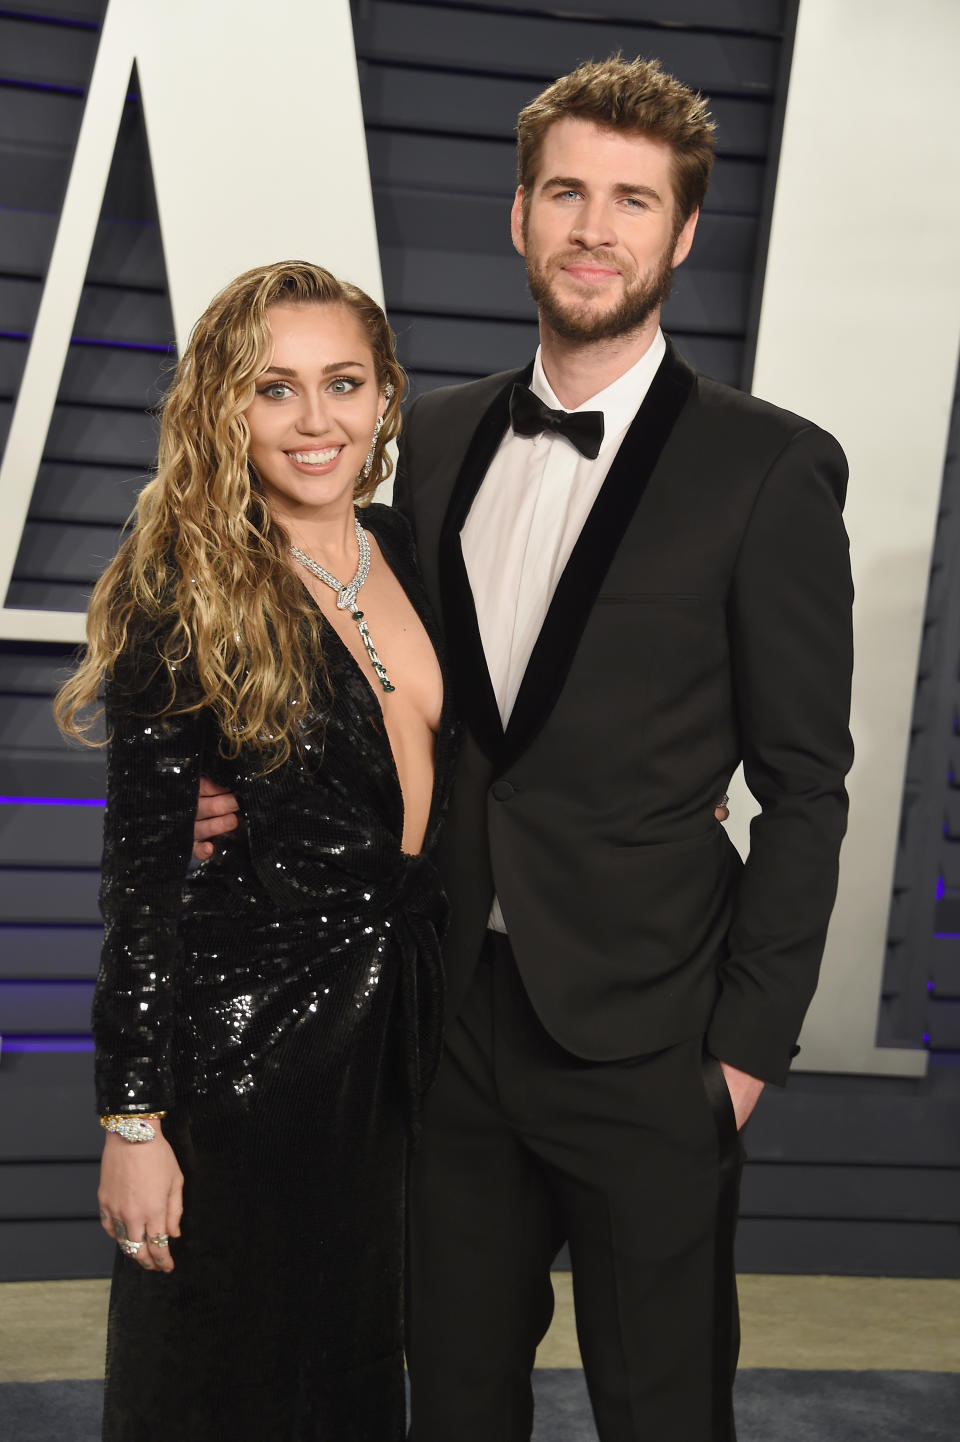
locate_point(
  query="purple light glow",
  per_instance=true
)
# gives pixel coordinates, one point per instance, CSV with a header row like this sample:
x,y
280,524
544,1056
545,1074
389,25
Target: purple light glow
x,y
41,85
43,19
50,801
946,935
47,1043
46,981
926,1038
940,888
154,346
124,344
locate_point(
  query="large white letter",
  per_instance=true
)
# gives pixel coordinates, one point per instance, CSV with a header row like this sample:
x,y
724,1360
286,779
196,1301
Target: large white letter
x,y
256,138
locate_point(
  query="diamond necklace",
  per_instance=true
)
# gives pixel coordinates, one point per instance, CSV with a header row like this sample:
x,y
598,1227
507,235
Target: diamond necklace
x,y
347,596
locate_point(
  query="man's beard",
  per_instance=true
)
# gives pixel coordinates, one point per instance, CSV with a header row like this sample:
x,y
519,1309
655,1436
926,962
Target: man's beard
x,y
577,321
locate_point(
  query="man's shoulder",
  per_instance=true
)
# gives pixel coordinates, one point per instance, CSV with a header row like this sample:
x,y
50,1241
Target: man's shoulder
x,y
466,400
727,407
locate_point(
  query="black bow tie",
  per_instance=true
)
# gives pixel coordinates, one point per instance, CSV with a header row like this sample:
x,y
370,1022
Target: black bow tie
x,y
529,416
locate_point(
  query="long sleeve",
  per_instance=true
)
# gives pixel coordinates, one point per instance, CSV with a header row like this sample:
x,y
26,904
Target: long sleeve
x,y
791,646
153,772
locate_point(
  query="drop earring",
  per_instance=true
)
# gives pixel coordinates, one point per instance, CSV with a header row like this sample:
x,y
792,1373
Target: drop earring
x,y
368,463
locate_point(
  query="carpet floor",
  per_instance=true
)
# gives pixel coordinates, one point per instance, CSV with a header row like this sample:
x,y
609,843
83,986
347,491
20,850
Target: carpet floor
x,y
773,1405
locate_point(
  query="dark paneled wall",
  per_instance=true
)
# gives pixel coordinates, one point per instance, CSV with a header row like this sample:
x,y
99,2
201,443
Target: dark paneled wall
x,y
845,1174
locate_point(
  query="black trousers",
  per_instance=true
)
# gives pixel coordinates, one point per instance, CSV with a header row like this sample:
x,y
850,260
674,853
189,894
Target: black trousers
x,y
636,1164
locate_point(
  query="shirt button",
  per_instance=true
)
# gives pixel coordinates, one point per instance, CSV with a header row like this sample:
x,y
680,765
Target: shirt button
x,y
502,790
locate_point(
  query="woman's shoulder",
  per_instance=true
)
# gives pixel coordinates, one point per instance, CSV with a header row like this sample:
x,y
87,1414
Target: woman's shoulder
x,y
153,667
391,528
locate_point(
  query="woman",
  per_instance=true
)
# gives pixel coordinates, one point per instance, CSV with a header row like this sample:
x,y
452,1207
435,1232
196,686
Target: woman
x,y
264,1032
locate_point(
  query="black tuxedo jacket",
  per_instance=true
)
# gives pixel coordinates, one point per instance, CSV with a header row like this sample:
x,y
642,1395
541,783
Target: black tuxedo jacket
x,y
704,617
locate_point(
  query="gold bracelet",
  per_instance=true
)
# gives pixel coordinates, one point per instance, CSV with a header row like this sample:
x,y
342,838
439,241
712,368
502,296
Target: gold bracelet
x,y
134,1126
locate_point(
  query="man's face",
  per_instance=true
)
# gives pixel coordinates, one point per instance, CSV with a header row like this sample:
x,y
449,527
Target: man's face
x,y
599,238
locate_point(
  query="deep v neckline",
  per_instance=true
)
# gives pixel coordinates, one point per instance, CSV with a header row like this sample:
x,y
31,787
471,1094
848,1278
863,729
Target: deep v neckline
x,y
360,672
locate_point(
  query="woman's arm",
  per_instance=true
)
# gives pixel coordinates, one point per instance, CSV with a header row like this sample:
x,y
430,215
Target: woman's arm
x,y
153,769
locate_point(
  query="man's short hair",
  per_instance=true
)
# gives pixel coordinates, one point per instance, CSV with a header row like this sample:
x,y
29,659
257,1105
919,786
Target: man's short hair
x,y
635,97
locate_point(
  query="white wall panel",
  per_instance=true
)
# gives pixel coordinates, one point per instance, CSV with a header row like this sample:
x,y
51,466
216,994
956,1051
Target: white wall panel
x,y
859,327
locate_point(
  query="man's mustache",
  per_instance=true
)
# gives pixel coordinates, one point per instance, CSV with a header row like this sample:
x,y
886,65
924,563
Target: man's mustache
x,y
598,257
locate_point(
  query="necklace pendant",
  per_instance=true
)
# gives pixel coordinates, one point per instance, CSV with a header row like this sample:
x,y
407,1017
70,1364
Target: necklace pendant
x,y
347,596
375,661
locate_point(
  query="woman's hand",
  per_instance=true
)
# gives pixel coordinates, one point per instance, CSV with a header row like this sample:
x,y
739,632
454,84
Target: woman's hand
x,y
216,816
141,1196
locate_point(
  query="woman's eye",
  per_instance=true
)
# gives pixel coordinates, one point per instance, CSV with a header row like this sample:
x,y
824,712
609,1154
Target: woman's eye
x,y
275,391
343,385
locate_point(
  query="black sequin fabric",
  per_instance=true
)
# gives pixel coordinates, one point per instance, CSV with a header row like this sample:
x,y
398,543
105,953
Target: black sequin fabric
x,y
283,1006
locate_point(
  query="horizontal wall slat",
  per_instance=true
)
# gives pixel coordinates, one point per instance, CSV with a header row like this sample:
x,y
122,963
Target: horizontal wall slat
x,y
48,1107
65,491
125,315
110,376
461,165
45,1008
77,9
763,16
480,224
28,720
474,105
51,54
428,342
944,1024
35,1251
868,1249
852,1192
53,551
13,358
126,252
98,436
877,1124
541,47
714,356
48,596
50,836
48,1189
104,313
49,894
46,951
37,673
19,299
80,775
452,284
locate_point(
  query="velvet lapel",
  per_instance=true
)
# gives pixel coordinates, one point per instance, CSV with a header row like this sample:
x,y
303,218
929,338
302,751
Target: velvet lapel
x,y
590,558
468,664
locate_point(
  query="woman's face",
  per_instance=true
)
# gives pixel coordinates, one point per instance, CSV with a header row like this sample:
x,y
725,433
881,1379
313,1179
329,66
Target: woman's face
x,y
313,415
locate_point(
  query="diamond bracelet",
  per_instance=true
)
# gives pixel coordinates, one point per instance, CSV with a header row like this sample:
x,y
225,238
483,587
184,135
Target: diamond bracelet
x,y
133,1128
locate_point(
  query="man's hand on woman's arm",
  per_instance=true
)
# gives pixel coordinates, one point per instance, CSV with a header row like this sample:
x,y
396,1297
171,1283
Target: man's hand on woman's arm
x,y
217,814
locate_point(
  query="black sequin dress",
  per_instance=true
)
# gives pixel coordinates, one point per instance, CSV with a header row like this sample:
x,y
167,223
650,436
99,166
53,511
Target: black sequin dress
x,y
283,1005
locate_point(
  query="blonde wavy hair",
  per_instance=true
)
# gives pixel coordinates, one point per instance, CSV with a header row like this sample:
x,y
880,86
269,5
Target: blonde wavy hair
x,y
202,575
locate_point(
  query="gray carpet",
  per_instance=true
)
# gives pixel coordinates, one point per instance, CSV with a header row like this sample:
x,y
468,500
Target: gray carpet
x,y
772,1406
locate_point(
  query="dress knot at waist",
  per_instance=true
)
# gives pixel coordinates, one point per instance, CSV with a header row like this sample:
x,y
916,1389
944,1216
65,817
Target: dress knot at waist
x,y
417,911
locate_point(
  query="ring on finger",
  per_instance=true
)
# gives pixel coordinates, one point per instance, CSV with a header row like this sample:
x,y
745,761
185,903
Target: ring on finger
x,y
129,1248
162,1239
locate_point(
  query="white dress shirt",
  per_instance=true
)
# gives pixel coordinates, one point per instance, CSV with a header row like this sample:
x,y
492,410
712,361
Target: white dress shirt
x,y
525,520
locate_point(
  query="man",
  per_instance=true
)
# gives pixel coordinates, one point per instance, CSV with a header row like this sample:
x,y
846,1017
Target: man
x,y
636,597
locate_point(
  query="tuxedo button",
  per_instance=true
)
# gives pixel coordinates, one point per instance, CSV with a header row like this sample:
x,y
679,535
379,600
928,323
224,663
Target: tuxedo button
x,y
502,790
